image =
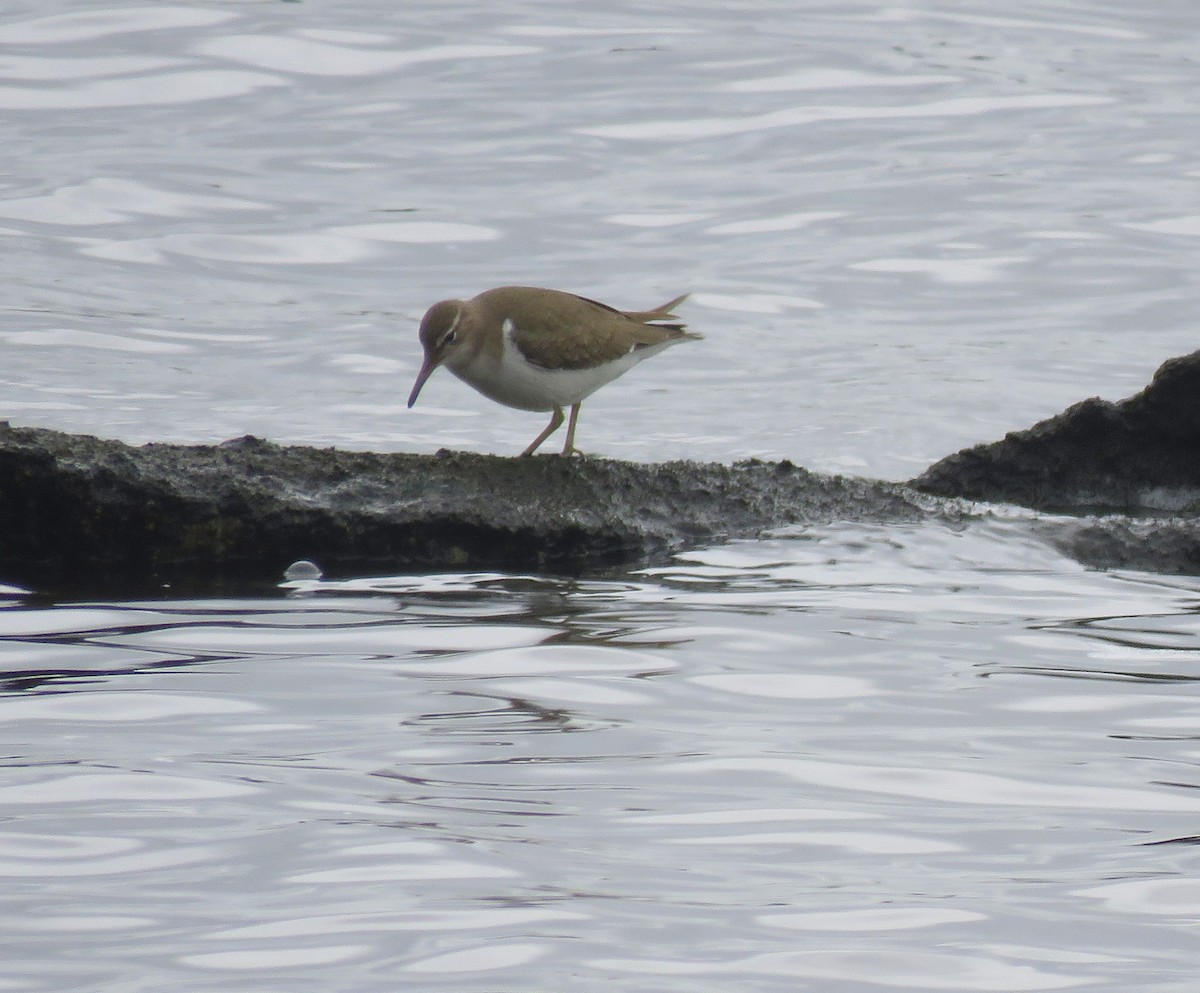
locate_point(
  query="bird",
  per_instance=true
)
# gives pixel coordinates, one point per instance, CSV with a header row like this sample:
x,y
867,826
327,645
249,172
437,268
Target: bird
x,y
539,349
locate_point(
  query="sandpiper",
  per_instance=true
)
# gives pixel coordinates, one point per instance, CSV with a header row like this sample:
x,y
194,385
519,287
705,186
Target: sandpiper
x,y
537,349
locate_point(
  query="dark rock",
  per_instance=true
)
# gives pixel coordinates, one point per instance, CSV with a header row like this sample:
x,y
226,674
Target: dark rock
x,y
78,511
1140,454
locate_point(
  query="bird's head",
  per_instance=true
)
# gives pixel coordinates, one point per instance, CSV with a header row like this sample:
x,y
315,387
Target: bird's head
x,y
442,337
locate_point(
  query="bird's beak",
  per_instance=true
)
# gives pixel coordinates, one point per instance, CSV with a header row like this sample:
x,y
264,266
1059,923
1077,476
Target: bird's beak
x,y
426,371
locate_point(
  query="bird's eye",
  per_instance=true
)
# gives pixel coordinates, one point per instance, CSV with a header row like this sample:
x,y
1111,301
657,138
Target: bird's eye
x,y
449,339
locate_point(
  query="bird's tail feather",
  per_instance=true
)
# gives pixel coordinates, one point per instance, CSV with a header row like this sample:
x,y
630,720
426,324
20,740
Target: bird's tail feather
x,y
662,313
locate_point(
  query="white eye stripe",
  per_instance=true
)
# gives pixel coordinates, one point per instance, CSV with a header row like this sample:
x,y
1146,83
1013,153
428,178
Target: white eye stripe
x,y
449,335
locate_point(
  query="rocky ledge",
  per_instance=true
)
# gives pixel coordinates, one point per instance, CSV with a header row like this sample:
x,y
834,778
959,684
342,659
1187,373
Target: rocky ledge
x,y
77,508
78,512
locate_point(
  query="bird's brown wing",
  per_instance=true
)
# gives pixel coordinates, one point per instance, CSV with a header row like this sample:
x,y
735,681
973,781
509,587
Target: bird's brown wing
x,y
562,331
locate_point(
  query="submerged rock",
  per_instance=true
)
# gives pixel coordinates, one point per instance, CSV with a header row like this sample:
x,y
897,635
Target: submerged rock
x,y
1165,545
1139,454
76,509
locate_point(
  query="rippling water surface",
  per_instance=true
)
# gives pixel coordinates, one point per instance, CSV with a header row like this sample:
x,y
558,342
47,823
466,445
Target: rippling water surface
x,y
844,758
850,758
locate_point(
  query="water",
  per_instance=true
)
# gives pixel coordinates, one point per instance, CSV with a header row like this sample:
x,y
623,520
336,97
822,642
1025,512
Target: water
x,y
854,758
842,758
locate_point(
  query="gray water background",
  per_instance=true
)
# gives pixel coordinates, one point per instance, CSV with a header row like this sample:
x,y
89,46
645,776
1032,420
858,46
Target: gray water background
x,y
844,758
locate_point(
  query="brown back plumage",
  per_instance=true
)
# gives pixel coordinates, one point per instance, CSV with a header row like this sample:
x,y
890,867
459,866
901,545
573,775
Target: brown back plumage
x,y
558,330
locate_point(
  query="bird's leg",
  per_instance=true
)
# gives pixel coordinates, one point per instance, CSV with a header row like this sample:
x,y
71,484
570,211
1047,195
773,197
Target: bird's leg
x,y
556,420
569,448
